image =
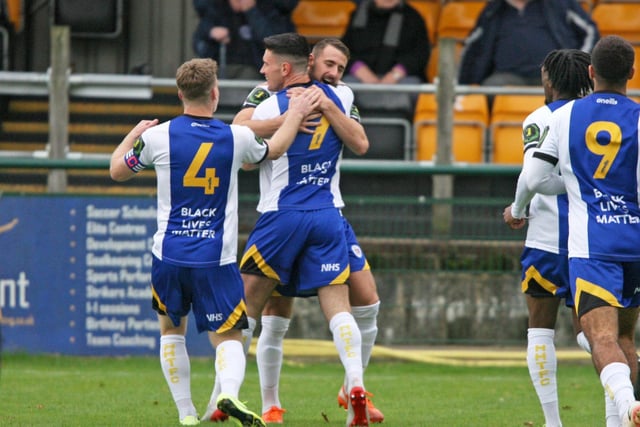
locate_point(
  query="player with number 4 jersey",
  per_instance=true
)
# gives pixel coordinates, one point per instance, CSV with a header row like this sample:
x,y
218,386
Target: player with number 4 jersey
x,y
194,267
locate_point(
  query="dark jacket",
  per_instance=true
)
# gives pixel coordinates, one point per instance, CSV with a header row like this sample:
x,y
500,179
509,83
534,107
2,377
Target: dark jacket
x,y
571,28
366,40
247,30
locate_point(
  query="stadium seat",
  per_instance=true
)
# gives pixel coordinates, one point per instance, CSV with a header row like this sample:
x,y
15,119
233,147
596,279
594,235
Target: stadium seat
x,y
317,19
430,11
457,18
15,12
505,128
470,120
389,139
618,18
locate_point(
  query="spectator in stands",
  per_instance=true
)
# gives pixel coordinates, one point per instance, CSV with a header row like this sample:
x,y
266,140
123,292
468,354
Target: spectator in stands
x,y
511,38
231,32
389,44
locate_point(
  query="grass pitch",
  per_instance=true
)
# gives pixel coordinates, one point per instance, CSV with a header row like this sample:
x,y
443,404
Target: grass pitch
x,y
489,389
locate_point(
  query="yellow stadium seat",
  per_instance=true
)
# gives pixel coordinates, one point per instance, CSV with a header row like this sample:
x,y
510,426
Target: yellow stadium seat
x,y
470,120
458,18
317,19
15,12
505,128
621,19
430,11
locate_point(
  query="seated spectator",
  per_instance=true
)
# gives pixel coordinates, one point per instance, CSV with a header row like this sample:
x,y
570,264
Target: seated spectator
x,y
231,32
511,38
389,44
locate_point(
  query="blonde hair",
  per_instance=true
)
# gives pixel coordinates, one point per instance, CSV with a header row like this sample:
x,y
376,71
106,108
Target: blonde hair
x,y
196,77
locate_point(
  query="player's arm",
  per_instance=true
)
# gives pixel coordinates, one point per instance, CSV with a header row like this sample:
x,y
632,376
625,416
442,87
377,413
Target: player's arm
x,y
300,106
119,169
514,214
541,177
264,128
350,131
267,127
513,222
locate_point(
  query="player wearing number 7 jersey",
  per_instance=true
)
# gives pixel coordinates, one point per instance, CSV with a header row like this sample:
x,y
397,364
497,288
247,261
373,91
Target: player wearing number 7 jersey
x,y
196,159
595,141
298,240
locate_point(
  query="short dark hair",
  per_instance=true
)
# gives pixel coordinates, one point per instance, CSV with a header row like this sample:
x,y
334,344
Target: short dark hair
x,y
290,45
612,59
568,71
330,41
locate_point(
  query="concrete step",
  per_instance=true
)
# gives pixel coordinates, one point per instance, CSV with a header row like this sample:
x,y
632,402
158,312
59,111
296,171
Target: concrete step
x,y
95,127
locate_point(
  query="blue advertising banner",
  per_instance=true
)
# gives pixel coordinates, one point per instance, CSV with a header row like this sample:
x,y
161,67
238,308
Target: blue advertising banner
x,y
75,276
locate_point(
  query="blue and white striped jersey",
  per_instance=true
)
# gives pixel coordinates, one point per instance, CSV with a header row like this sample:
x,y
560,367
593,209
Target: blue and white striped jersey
x,y
196,162
308,176
595,141
547,223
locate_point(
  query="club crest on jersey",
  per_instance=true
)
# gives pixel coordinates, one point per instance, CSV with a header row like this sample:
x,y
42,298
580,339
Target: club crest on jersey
x,y
355,113
531,133
138,146
356,250
258,95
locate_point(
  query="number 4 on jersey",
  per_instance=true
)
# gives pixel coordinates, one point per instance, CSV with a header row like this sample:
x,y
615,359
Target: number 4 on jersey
x,y
209,181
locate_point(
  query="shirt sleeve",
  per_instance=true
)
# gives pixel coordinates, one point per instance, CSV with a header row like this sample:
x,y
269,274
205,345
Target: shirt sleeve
x,y
252,147
534,129
541,176
267,109
255,97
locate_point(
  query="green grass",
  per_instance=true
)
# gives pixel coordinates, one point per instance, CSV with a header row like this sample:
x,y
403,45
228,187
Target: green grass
x,y
74,391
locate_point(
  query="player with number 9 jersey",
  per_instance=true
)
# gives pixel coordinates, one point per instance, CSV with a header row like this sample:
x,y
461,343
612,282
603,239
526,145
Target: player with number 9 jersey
x,y
601,171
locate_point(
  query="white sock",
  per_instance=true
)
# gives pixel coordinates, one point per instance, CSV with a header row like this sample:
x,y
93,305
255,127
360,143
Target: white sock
x,y
230,366
583,342
247,335
542,363
615,378
176,368
269,358
611,412
348,342
366,317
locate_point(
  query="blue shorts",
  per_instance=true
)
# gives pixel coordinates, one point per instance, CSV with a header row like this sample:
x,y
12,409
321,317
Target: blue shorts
x,y
596,283
545,274
215,294
309,243
357,262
